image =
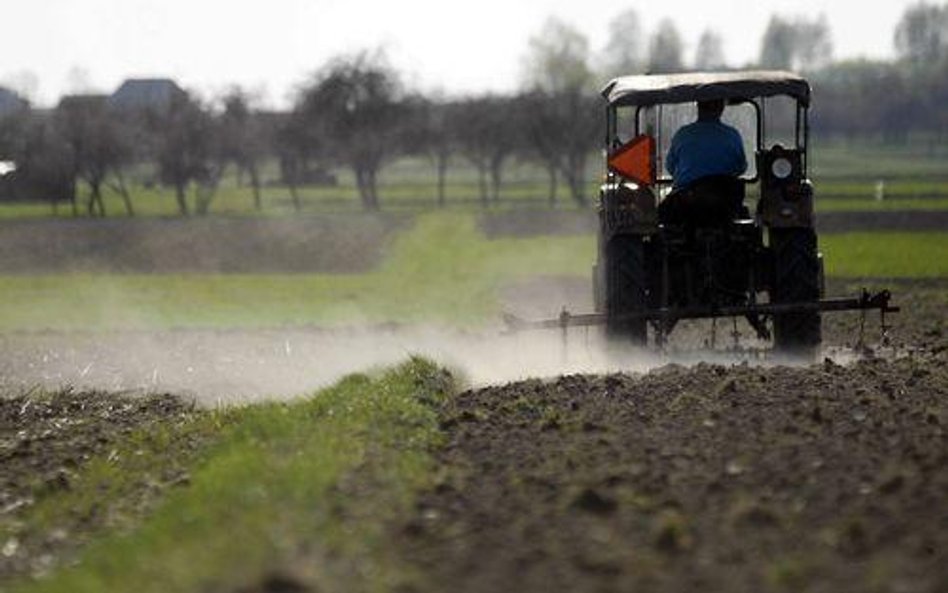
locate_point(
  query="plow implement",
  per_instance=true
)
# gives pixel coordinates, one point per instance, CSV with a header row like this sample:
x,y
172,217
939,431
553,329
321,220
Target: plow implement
x,y
663,319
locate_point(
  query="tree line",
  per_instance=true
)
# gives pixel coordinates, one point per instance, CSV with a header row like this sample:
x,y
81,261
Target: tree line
x,y
356,112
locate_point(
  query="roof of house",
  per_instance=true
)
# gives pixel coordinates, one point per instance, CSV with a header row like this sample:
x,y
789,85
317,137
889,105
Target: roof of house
x,y
144,93
82,99
10,101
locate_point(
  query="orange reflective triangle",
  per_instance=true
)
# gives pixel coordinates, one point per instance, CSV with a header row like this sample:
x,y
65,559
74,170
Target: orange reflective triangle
x,y
635,160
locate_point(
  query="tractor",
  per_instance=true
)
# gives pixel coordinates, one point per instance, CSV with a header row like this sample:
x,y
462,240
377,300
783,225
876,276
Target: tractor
x,y
759,262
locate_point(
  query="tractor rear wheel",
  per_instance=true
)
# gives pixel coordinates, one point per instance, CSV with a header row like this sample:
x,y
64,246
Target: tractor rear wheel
x,y
625,280
796,280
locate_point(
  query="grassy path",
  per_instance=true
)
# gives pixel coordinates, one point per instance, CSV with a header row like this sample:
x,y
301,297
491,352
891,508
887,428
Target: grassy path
x,y
271,499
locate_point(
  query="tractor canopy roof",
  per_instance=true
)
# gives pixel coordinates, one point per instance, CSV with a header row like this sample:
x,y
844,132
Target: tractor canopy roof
x,y
653,89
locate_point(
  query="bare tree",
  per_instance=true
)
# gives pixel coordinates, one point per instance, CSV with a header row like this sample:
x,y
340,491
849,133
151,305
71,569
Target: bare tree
x,y
557,58
936,97
814,43
624,50
861,97
209,176
430,132
98,145
486,132
243,139
709,54
355,104
564,113
184,150
44,162
665,49
542,144
796,44
561,131
921,36
294,146
440,143
12,132
778,46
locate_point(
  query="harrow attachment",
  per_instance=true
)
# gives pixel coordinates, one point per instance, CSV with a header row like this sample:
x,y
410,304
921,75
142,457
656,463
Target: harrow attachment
x,y
663,319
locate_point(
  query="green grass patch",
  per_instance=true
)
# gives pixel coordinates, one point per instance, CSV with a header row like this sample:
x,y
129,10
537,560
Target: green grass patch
x,y
885,255
909,162
896,189
406,184
443,270
872,205
299,491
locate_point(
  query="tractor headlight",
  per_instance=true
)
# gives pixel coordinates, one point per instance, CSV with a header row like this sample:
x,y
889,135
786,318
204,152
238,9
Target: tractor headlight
x,y
781,168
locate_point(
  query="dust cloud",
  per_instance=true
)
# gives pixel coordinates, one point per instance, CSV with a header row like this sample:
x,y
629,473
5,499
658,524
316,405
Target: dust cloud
x,y
248,365
236,366
225,366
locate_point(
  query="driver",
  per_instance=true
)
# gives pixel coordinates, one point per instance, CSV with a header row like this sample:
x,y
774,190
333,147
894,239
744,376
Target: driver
x,y
706,159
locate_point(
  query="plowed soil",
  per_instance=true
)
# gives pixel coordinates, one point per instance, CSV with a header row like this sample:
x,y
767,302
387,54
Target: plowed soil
x,y
43,439
46,439
708,478
333,244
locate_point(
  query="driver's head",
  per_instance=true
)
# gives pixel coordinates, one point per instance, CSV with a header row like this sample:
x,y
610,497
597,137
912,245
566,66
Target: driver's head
x,y
710,110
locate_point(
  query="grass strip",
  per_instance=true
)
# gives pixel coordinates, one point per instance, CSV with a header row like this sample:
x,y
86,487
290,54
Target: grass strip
x,y
885,255
868,204
295,494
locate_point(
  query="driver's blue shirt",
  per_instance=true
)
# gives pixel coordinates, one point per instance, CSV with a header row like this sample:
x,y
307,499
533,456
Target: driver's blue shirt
x,y
704,148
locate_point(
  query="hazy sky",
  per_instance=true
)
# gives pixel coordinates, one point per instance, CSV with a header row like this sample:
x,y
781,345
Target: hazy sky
x,y
272,46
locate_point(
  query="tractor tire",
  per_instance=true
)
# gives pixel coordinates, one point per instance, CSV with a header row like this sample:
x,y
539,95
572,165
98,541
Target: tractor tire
x,y
625,280
796,280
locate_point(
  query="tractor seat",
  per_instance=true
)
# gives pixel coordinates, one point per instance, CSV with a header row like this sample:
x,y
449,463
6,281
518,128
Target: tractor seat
x,y
708,202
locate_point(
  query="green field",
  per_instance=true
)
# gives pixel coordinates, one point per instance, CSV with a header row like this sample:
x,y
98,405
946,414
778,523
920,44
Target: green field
x,y
872,205
886,255
443,270
917,161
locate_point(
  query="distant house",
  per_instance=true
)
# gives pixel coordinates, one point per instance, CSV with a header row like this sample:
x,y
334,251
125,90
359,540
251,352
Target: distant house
x,y
141,94
10,102
81,101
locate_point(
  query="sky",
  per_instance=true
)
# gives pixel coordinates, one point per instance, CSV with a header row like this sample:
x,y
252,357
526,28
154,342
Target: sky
x,y
52,47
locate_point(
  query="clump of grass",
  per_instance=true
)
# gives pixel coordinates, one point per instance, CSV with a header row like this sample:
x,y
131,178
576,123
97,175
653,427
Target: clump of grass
x,y
789,573
671,532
